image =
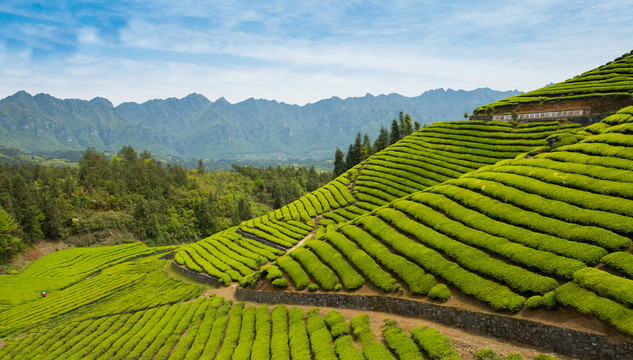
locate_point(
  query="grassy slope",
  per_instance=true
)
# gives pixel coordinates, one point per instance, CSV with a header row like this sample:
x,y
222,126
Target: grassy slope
x,y
612,80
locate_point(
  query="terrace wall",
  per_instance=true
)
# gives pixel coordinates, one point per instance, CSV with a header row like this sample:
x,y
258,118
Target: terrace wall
x,y
262,241
564,341
195,276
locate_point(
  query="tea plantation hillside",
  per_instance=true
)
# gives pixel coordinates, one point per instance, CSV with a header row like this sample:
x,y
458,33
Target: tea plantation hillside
x,y
543,230
603,90
120,303
432,155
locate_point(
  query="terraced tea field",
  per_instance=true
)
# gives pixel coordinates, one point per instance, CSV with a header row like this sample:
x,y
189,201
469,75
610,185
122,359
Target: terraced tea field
x,y
132,309
543,231
612,81
435,154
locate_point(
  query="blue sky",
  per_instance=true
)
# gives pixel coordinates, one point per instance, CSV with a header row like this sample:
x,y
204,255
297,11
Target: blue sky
x,y
300,51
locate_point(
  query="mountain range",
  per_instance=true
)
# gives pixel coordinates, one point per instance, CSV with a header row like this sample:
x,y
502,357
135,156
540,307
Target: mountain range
x,y
194,126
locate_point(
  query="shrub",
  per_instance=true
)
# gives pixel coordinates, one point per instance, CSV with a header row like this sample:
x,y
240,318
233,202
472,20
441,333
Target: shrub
x,y
294,270
320,338
400,343
436,345
279,348
621,261
588,302
371,348
440,292
350,278
313,287
605,284
418,281
346,350
497,296
362,261
280,283
336,323
487,354
261,345
297,335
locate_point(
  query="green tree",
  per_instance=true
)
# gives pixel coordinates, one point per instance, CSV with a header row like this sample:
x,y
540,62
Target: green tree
x,y
416,126
395,132
339,163
350,159
405,125
369,150
466,115
382,141
200,167
9,241
244,210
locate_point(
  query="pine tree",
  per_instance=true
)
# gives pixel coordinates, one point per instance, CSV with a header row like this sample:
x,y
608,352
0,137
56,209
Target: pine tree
x,y
395,132
416,126
369,150
339,163
382,141
350,161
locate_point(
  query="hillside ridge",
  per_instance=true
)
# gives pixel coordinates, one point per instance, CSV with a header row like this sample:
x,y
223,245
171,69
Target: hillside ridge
x,y
196,127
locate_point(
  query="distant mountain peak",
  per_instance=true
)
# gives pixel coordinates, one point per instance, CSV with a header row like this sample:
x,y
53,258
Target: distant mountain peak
x,y
193,126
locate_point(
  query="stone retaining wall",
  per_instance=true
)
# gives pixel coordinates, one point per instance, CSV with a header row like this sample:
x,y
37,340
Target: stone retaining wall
x,y
584,120
267,243
195,276
564,341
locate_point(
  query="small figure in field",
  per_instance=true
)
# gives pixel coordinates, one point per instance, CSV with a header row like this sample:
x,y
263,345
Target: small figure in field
x,y
43,293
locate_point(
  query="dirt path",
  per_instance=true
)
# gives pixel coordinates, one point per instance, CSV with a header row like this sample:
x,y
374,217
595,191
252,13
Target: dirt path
x,y
353,183
310,234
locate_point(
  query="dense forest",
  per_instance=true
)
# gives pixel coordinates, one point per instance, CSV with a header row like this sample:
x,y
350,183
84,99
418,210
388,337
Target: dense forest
x,y
132,196
363,147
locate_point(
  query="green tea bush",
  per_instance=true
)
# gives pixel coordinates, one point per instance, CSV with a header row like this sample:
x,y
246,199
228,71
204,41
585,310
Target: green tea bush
x,y
558,265
326,278
298,335
371,348
247,334
434,344
514,215
496,295
346,350
589,302
363,262
440,292
261,345
336,323
605,284
400,344
467,256
349,277
280,283
320,338
550,208
294,270
279,348
418,281
621,261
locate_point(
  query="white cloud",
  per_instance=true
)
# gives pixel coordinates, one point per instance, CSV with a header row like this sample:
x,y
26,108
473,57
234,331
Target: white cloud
x,y
311,50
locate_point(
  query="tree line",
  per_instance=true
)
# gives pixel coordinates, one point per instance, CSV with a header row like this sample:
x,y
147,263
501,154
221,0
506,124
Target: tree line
x,y
132,196
363,147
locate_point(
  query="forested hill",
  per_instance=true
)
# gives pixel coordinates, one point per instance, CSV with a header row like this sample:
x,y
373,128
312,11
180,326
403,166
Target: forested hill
x,y
197,127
